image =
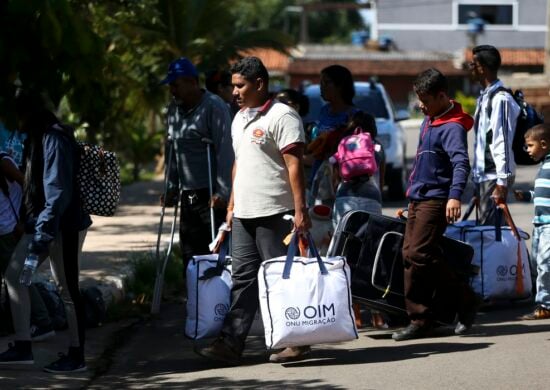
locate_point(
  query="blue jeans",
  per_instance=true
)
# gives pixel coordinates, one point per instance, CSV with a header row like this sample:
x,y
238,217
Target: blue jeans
x,y
540,260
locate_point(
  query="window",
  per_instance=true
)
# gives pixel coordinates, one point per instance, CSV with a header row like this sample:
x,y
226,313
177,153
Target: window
x,y
493,14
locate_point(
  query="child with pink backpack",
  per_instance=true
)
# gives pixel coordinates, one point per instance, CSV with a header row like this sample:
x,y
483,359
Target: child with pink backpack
x,y
360,162
355,155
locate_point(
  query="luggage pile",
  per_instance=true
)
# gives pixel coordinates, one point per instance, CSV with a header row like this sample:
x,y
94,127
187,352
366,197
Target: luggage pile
x,y
308,300
372,244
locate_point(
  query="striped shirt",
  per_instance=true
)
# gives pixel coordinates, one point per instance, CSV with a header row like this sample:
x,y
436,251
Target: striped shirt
x,y
541,194
493,155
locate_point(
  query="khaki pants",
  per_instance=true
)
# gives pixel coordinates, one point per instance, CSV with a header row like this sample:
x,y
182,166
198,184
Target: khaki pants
x,y
65,271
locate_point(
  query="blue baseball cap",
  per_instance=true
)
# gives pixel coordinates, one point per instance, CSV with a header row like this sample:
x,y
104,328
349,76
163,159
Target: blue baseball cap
x,y
178,68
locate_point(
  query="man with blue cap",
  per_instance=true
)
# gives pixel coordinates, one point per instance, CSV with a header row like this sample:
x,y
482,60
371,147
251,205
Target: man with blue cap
x,y
196,120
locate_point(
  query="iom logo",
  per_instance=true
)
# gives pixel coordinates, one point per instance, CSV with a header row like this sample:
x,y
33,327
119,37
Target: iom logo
x,y
221,309
310,315
292,313
507,274
502,270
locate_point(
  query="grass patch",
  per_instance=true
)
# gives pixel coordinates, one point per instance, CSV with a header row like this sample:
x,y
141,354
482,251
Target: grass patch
x,y
127,176
139,290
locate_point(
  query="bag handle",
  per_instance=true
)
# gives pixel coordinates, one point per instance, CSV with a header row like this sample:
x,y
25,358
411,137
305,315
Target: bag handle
x,y
292,251
474,205
509,219
520,288
224,250
220,264
377,257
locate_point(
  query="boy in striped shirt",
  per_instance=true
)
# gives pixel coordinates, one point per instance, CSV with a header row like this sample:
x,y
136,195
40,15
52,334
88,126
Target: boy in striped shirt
x,y
537,140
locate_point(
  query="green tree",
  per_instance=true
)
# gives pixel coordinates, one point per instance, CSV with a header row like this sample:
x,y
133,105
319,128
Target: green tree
x,y
46,45
334,26
103,59
325,26
210,33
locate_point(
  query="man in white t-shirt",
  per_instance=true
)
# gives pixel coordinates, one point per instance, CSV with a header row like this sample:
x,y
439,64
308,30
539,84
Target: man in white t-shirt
x,y
268,182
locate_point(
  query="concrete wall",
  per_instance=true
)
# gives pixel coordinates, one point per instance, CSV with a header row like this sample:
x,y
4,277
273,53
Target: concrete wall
x,y
433,25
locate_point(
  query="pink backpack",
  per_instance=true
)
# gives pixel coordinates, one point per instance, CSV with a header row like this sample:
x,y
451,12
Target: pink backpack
x,y
355,155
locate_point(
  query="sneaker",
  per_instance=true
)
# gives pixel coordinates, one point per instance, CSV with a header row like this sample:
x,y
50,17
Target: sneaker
x,y
66,364
290,354
17,353
221,352
41,333
540,313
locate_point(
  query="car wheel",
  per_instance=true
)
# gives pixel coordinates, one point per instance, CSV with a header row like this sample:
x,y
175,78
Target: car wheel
x,y
397,183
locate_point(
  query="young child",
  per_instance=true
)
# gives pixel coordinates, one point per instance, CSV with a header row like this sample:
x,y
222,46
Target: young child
x,y
361,192
436,184
537,140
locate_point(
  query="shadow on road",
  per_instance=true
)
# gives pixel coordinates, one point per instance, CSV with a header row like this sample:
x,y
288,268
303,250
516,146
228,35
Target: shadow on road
x,y
221,382
495,330
397,352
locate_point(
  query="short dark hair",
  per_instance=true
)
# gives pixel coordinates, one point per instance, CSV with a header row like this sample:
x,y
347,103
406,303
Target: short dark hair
x,y
488,56
365,121
539,132
342,78
217,78
431,81
251,68
28,103
31,106
289,94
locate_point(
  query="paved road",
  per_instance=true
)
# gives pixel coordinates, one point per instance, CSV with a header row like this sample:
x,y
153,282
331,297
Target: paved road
x,y
502,353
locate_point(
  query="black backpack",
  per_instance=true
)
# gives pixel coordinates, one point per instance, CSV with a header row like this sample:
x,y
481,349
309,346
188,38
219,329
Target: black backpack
x,y
54,304
528,117
94,306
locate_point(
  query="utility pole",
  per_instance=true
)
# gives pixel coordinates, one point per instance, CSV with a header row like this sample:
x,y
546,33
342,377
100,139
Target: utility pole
x,y
304,28
374,21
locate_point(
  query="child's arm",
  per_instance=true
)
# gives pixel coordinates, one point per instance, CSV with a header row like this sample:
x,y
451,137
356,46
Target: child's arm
x,y
524,196
455,144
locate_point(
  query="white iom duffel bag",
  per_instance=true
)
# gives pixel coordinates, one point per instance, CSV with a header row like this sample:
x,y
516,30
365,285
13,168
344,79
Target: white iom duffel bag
x,y
305,301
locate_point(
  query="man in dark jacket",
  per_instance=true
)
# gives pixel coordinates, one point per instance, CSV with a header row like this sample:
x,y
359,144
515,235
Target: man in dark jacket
x,y
436,184
197,120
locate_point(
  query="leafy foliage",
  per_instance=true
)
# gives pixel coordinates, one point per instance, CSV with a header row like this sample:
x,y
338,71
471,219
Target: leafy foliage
x,y
47,45
468,103
100,61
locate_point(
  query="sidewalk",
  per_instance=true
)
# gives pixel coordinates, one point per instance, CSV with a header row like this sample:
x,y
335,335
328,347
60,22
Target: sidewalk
x,y
105,263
